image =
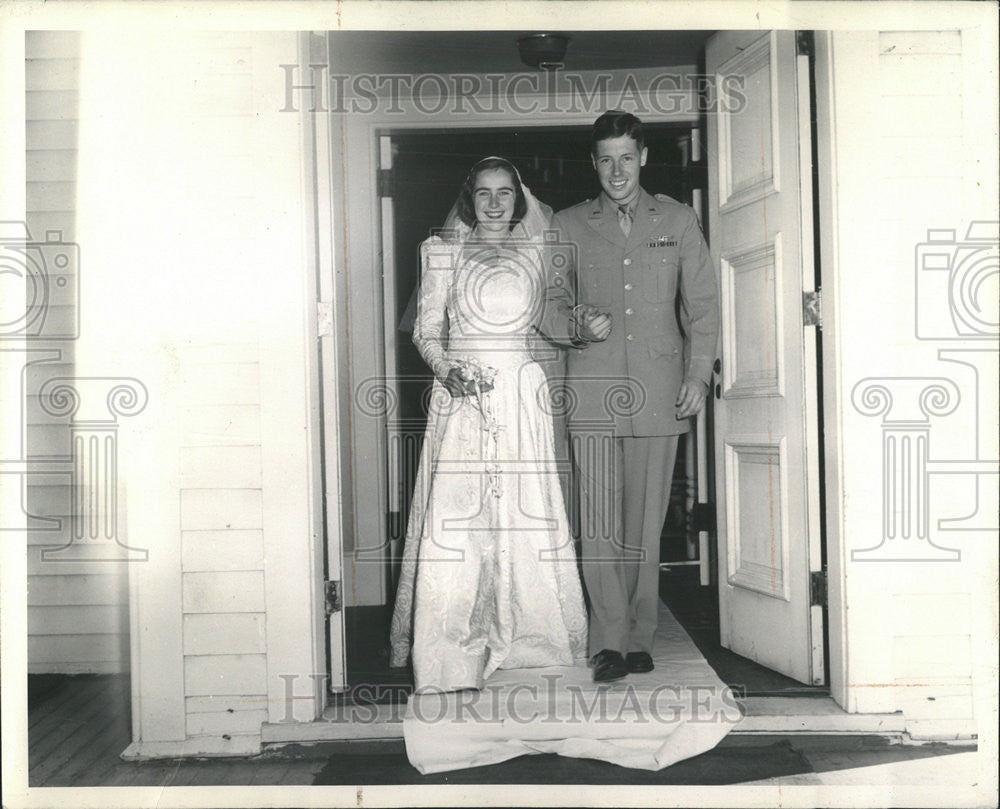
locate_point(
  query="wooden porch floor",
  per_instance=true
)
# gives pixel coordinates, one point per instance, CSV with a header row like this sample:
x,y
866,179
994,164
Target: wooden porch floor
x,y
79,725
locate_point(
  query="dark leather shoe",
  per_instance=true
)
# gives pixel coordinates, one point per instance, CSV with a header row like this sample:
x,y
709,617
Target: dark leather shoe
x,y
608,665
638,662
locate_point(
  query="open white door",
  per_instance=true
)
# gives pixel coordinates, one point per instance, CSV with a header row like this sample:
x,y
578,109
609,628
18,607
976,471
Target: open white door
x,y
767,481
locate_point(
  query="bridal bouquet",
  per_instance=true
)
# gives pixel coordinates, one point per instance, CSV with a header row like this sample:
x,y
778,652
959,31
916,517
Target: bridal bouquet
x,y
479,379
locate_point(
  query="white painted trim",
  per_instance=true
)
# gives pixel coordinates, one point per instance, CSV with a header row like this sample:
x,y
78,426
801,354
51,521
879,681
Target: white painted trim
x,y
832,383
236,745
807,715
290,470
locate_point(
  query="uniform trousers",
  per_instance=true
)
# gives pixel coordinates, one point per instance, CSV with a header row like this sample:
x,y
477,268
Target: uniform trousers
x,y
624,486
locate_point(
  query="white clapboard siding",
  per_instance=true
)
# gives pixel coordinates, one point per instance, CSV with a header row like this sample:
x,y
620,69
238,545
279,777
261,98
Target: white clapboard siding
x,y
224,591
78,610
225,633
208,675
222,547
226,722
222,550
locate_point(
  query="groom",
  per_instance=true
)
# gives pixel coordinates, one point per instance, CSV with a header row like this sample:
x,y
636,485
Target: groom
x,y
636,373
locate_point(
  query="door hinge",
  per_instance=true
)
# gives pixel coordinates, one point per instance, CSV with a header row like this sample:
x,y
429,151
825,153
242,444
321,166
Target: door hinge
x,y
817,588
324,318
332,591
812,308
385,186
804,43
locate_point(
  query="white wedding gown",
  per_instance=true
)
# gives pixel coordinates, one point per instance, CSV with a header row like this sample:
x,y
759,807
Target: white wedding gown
x,y
489,577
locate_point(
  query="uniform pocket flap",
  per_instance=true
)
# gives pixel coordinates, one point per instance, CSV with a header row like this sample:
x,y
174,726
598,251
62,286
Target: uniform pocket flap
x,y
666,344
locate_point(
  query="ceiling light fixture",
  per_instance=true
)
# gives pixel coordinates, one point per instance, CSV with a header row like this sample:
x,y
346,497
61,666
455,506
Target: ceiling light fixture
x,y
543,51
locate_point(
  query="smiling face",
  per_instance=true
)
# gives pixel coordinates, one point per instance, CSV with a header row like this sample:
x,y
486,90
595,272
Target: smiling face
x,y
618,161
493,196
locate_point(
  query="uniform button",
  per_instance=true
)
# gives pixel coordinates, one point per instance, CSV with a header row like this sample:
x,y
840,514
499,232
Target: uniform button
x,y
629,337
628,286
628,261
629,311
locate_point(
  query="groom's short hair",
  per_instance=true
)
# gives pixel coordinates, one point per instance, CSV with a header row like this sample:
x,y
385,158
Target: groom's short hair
x,y
614,124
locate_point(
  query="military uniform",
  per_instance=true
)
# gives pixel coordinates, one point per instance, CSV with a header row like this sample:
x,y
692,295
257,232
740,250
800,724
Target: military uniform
x,y
658,284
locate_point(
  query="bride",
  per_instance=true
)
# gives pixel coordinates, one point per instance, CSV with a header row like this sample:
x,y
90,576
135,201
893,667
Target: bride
x,y
489,577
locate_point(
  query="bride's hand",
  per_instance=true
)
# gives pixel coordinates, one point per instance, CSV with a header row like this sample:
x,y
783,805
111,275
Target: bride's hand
x,y
458,386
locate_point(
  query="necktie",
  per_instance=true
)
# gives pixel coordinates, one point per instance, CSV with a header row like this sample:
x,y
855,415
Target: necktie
x,y
625,219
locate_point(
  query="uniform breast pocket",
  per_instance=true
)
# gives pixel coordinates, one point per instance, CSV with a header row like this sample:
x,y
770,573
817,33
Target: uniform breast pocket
x,y
660,275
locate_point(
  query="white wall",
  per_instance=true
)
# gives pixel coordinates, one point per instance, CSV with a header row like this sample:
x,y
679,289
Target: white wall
x,y
192,214
912,150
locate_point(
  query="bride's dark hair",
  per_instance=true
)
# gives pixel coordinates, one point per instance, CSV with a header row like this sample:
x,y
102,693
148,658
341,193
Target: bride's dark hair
x,y
466,208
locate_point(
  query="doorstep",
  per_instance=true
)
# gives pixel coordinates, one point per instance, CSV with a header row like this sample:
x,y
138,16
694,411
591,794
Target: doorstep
x,y
782,715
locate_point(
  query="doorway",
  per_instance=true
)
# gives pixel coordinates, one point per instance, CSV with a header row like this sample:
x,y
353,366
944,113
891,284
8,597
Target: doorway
x,y
427,169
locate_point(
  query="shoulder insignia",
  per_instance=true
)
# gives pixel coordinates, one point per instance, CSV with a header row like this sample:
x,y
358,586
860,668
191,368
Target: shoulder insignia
x,y
664,198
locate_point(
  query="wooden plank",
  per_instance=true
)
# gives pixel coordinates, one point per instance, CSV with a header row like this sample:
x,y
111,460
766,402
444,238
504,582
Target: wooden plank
x,y
102,648
81,738
92,589
217,723
225,674
220,383
57,134
62,314
231,467
62,73
302,772
39,222
211,509
55,105
78,620
78,691
51,196
50,501
47,440
80,769
222,550
238,773
53,165
223,702
227,633
228,591
269,772
220,425
95,667
51,44
97,696
38,374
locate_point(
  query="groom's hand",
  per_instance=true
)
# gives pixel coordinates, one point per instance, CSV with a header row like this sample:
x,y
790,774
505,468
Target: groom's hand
x,y
593,325
691,397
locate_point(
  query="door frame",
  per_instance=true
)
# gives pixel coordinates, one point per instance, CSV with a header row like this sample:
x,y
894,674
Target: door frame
x,y
358,135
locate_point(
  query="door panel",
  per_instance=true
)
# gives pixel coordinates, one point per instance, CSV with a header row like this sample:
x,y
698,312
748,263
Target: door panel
x,y
768,495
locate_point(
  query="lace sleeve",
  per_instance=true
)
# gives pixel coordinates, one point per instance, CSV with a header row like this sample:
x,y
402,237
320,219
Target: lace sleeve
x,y
437,260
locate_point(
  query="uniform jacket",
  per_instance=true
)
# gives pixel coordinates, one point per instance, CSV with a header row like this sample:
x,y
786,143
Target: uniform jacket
x,y
659,286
